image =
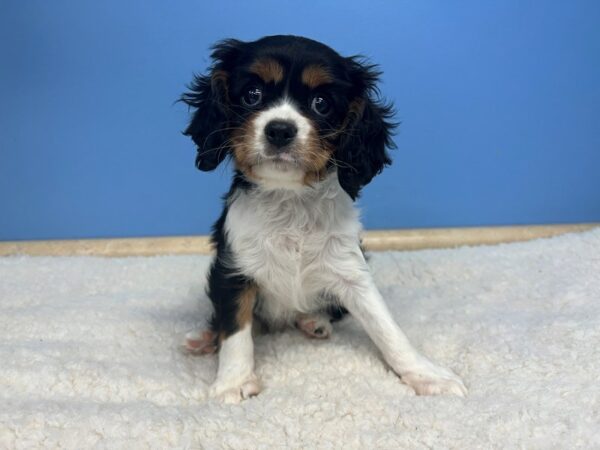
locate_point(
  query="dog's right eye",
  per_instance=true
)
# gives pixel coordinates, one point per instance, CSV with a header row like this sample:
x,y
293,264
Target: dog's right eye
x,y
252,97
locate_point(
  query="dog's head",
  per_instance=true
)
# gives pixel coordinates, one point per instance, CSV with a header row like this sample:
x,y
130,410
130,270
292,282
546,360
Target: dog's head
x,y
288,110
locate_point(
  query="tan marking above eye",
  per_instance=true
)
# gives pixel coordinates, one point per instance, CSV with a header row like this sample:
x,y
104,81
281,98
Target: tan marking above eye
x,y
314,76
241,142
269,70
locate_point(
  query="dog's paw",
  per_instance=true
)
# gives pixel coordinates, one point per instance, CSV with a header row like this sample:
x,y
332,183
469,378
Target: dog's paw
x,y
314,326
427,378
199,342
234,391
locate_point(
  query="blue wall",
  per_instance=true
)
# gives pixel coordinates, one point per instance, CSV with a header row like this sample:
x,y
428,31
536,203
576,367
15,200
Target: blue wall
x,y
499,102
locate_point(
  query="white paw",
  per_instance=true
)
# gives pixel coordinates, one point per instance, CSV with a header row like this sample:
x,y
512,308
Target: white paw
x,y
314,326
428,379
234,391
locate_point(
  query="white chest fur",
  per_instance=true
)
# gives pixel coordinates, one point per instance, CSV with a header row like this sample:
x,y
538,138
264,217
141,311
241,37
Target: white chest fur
x,y
292,243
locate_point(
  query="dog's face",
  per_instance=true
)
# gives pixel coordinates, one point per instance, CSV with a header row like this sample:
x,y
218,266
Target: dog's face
x,y
289,110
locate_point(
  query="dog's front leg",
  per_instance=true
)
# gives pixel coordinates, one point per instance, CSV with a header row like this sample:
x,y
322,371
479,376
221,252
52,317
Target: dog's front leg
x,y
235,376
358,293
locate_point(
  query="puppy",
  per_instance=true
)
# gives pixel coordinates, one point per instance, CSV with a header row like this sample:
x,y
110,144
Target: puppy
x,y
306,132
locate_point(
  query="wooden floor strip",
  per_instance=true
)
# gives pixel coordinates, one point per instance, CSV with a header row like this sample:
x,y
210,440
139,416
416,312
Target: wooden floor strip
x,y
454,237
381,240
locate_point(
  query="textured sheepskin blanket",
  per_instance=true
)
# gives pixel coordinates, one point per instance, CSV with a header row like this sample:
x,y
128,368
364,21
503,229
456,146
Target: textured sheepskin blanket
x,y
90,356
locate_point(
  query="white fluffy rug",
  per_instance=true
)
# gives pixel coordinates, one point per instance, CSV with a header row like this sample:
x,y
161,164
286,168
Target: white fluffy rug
x,y
89,356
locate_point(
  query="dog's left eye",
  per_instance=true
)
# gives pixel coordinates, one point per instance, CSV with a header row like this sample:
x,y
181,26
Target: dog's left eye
x,y
321,105
252,97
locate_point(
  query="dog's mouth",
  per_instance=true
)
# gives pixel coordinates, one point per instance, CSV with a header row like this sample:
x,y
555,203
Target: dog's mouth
x,y
283,158
280,163
284,169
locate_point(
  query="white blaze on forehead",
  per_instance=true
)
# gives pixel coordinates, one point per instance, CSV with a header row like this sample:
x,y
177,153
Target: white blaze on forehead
x,y
281,111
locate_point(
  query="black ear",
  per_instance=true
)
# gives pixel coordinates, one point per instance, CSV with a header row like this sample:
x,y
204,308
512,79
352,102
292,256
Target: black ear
x,y
362,150
208,95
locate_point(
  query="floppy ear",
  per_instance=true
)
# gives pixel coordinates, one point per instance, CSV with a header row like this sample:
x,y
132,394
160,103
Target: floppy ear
x,y
362,150
208,95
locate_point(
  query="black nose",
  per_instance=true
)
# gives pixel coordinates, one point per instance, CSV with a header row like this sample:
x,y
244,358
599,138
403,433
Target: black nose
x,y
280,132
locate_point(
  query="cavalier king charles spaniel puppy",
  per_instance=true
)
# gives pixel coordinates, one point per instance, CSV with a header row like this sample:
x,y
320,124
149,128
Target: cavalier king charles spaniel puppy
x,y
306,131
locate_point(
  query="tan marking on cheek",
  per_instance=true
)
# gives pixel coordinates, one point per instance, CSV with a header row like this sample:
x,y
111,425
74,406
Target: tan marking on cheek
x,y
315,156
314,76
246,305
311,178
242,142
320,150
268,69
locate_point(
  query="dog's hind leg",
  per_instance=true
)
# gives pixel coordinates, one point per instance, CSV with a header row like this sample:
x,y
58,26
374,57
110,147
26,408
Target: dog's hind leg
x,y
199,342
